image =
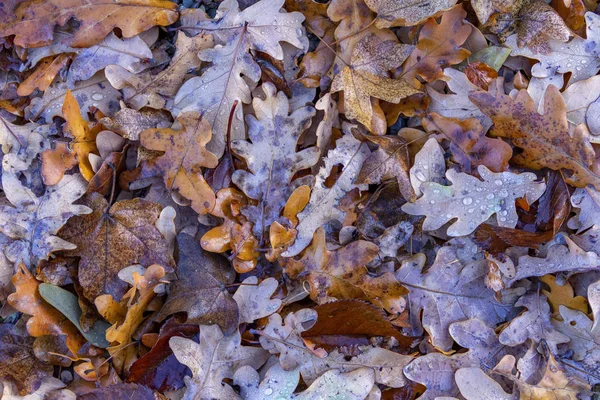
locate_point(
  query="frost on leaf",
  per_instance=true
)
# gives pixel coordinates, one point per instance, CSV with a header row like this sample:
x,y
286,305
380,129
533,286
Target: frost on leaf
x,y
33,222
472,201
233,73
321,208
271,157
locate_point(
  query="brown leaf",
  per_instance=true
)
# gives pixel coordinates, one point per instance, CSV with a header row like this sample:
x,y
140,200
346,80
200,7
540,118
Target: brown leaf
x,y
348,323
120,391
544,138
539,23
480,74
342,274
184,156
112,238
497,239
34,22
200,290
84,139
554,206
129,123
43,75
388,162
112,166
408,12
468,143
438,47
57,161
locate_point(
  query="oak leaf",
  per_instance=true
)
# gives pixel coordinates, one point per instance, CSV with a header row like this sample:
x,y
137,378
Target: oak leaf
x,y
254,299
34,22
474,384
408,13
130,123
43,75
350,153
234,73
469,145
147,89
366,76
57,161
429,166
112,238
271,157
438,47
200,290
45,320
33,222
541,135
451,290
184,155
342,274
472,201
214,359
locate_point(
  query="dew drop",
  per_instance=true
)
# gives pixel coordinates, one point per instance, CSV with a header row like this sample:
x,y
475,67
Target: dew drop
x,y
503,193
420,176
97,96
268,391
490,196
299,32
432,202
498,182
502,219
470,210
448,215
467,201
425,167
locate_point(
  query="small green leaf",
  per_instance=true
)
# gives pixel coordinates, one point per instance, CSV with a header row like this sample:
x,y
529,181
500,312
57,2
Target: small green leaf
x,y
66,302
493,56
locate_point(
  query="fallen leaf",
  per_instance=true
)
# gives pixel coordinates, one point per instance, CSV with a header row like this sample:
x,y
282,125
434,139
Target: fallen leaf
x,y
413,12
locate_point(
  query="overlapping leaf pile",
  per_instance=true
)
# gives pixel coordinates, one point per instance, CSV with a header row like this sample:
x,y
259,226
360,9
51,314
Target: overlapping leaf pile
x,y
343,199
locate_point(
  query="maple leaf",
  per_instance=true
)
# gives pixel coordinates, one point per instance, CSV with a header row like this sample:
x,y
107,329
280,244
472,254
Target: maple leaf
x,y
366,76
233,73
18,364
215,358
472,201
438,47
200,290
34,22
337,274
111,238
147,89
540,135
350,153
33,222
271,157
451,290
184,154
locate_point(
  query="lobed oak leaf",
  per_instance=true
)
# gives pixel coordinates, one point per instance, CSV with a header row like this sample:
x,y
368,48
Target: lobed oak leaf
x,y
469,145
283,337
200,291
111,238
562,295
20,144
436,371
214,359
438,47
18,363
540,135
271,157
554,384
534,324
342,274
279,383
350,153
389,161
407,13
587,202
45,320
146,89
34,22
472,201
234,73
538,22
33,222
184,154
367,76
130,123
451,290
474,384
254,299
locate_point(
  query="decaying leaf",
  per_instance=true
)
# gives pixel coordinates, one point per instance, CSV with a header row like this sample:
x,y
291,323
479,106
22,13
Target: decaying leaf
x,y
540,135
412,12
